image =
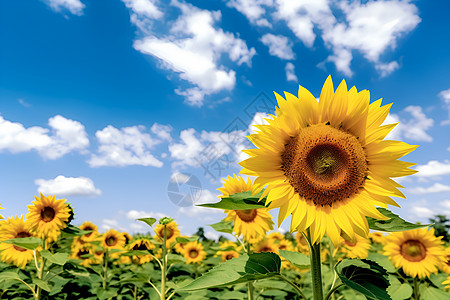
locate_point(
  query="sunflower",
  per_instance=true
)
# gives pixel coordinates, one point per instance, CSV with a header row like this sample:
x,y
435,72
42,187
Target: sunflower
x,y
446,265
171,231
112,239
227,255
252,224
47,216
357,248
194,253
276,236
302,243
141,244
1,217
91,236
377,237
285,245
85,253
127,237
447,282
417,251
266,245
13,228
179,247
326,163
228,250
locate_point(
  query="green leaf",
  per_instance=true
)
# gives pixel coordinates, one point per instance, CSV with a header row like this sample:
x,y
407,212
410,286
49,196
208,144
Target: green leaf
x,y
438,278
149,221
400,291
395,223
57,258
175,258
75,231
237,270
187,240
136,252
223,226
243,200
431,293
29,243
299,260
383,261
42,284
9,276
365,276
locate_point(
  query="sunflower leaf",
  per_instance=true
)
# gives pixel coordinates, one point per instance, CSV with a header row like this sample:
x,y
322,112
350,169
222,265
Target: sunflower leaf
x,y
175,258
238,270
183,240
29,243
42,284
148,221
364,276
223,226
57,258
395,223
243,200
74,230
299,260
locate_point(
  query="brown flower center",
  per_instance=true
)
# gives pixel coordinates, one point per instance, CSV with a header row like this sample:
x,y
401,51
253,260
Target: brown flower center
x,y
47,214
111,241
350,243
22,234
193,253
247,215
140,246
229,256
324,164
413,250
88,228
82,252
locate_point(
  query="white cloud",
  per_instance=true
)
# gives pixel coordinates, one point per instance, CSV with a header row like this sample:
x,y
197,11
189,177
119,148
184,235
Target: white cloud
x,y
112,224
24,103
387,68
253,9
279,46
124,147
435,188
162,131
290,72
445,96
205,214
67,186
137,214
74,6
193,50
414,127
433,168
65,136
145,8
422,212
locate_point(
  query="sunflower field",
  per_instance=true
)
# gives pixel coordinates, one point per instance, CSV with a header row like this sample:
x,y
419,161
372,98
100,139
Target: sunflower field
x,y
323,164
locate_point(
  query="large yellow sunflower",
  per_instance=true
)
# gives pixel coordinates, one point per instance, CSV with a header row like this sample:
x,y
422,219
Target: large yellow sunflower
x,y
193,252
251,223
172,233
417,251
142,244
112,239
10,229
47,216
326,163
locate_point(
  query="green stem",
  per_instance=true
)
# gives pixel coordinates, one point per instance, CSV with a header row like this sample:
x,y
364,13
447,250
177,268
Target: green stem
x,y
297,289
416,289
40,270
316,268
251,289
331,292
105,269
164,266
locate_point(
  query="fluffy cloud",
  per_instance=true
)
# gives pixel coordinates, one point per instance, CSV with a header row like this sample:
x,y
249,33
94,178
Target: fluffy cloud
x,y
205,214
126,146
64,136
445,96
74,6
137,214
146,8
290,72
433,168
279,46
435,188
193,49
413,125
67,186
254,10
422,212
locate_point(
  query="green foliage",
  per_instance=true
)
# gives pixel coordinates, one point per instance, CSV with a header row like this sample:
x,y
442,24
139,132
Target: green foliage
x,y
441,225
238,201
29,243
148,221
299,260
395,223
223,226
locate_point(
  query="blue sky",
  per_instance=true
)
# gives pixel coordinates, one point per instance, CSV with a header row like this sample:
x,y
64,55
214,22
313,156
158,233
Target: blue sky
x,y
105,103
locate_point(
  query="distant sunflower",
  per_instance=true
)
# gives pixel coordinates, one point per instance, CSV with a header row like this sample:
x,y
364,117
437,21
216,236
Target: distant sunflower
x,y
228,250
266,245
250,223
127,237
141,244
277,236
112,239
326,163
446,265
302,243
227,255
377,237
84,252
172,233
285,245
179,247
89,226
47,216
194,253
418,252
357,248
13,228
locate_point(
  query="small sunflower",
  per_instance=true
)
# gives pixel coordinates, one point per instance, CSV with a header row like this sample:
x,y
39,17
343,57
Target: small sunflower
x,y
179,247
357,248
227,255
127,237
325,162
141,244
112,239
417,251
377,237
266,245
84,252
172,232
276,236
228,250
13,228
91,236
252,224
47,216
194,253
285,245
302,243
446,265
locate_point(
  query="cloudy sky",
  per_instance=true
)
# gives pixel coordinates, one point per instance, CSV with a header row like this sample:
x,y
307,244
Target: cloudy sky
x,y
138,108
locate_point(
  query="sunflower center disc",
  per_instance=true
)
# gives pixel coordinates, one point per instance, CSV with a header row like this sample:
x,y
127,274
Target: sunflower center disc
x,y
229,256
88,229
413,250
193,253
246,215
22,234
324,164
47,214
111,241
140,246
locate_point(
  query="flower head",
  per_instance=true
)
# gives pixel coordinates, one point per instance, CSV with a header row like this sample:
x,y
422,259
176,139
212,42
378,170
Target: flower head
x,y
13,228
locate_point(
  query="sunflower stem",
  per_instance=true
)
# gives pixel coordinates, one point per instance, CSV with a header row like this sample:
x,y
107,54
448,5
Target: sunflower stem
x,y
251,288
105,269
316,267
40,270
297,289
416,289
164,265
